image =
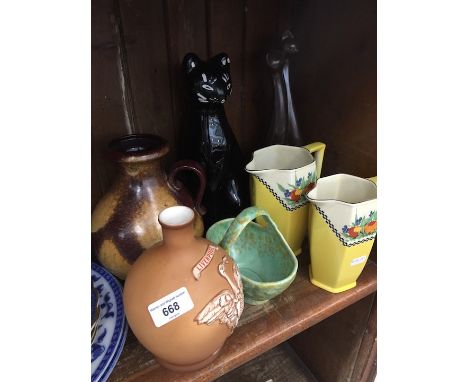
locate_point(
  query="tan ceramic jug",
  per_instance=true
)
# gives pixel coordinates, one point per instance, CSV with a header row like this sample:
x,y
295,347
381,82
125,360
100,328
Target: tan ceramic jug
x,y
125,221
183,297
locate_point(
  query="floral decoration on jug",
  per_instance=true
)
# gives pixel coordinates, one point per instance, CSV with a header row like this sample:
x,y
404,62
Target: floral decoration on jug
x,y
295,194
362,227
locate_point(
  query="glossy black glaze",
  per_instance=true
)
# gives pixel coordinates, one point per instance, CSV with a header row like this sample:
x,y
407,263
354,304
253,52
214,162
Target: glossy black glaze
x,y
283,127
208,138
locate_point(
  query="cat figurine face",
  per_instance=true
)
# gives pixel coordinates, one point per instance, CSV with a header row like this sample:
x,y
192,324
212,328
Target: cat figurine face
x,y
208,82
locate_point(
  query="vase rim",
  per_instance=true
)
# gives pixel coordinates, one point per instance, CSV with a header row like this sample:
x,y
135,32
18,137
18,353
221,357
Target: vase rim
x,y
176,217
138,147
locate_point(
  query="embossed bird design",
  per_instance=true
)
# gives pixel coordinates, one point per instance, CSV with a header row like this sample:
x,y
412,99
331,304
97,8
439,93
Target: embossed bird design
x,y
226,306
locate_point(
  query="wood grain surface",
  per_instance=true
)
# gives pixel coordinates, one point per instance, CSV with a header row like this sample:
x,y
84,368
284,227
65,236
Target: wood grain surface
x,y
280,364
145,39
138,84
336,343
186,31
334,82
260,329
366,361
109,114
228,15
262,31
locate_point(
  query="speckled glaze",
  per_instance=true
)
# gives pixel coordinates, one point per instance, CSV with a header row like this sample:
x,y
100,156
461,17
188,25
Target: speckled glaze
x,y
266,262
125,221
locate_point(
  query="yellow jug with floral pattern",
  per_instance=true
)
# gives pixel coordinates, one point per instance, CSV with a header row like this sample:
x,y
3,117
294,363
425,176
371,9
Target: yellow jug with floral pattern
x,y
342,230
280,177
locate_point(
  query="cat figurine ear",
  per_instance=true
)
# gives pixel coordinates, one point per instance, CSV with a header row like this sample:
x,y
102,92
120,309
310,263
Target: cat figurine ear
x,y
191,61
221,59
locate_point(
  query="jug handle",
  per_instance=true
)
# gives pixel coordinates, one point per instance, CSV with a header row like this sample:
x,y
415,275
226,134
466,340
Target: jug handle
x,y
239,223
373,179
317,149
180,191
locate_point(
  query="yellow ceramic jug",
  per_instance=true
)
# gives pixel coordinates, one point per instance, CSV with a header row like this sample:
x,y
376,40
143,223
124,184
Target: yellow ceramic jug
x,y
342,230
280,177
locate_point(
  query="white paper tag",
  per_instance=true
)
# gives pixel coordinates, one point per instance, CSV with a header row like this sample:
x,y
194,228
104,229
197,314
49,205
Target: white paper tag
x,y
170,307
358,260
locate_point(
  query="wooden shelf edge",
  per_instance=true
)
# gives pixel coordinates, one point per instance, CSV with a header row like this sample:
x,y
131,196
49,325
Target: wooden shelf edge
x,y
264,327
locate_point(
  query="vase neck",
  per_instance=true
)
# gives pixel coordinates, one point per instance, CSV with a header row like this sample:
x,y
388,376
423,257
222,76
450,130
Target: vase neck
x,y
142,168
177,225
178,236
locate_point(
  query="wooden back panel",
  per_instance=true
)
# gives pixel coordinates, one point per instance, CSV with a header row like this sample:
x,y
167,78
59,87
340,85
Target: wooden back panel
x,y
137,81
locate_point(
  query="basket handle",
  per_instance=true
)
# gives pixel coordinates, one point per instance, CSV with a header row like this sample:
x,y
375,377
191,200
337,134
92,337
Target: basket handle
x,y
240,222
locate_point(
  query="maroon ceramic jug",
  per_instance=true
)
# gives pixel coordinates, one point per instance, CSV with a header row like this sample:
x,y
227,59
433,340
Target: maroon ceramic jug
x,y
183,297
125,221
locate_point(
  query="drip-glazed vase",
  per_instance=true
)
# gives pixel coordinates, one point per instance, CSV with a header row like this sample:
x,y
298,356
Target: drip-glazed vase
x,y
125,221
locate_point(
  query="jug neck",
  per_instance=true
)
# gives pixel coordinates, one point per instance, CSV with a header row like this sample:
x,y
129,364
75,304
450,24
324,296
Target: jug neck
x,y
178,236
177,226
142,169
139,154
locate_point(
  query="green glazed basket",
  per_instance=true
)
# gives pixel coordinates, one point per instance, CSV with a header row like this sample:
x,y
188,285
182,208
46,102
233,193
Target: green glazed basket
x,y
266,262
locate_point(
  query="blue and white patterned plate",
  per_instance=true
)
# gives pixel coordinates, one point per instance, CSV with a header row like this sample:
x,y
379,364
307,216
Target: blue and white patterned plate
x,y
112,328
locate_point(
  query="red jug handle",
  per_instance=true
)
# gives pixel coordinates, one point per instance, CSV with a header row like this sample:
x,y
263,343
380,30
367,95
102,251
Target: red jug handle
x,y
182,195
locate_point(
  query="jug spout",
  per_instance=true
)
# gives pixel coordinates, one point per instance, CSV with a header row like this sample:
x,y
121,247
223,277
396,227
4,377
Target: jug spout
x,y
348,204
287,172
343,189
279,158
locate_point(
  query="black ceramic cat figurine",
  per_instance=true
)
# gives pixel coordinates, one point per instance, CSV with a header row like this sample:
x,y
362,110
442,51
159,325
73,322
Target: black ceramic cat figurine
x,y
208,138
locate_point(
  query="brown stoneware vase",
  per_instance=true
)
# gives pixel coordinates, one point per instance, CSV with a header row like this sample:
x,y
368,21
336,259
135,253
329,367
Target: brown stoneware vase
x,y
183,297
125,221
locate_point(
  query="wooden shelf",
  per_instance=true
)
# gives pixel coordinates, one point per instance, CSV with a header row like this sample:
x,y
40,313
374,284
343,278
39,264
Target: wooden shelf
x,y
280,364
260,329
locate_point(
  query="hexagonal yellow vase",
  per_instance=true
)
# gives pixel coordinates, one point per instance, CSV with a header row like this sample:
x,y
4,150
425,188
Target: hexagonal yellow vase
x,y
342,230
